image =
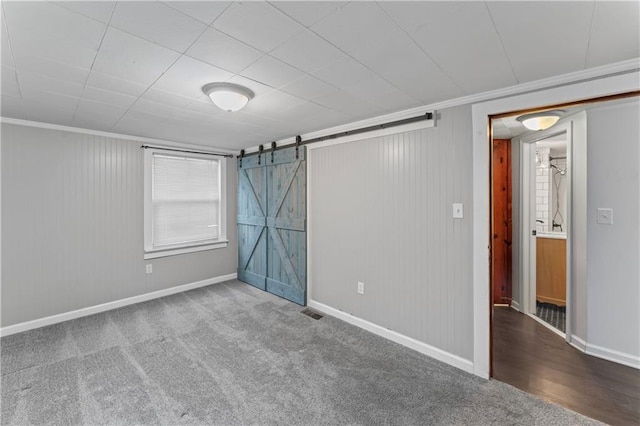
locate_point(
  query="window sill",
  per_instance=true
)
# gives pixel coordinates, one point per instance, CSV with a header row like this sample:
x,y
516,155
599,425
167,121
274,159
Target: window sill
x,y
154,254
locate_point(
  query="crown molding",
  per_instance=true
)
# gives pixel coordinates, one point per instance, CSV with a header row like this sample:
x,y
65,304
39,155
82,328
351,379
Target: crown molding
x,y
624,67
162,142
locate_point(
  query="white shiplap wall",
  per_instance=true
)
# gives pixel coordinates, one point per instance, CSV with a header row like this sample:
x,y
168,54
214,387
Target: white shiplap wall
x,y
613,251
72,225
381,212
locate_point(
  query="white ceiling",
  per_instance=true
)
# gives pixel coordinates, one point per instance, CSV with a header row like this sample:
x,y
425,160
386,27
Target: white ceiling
x,y
557,144
137,68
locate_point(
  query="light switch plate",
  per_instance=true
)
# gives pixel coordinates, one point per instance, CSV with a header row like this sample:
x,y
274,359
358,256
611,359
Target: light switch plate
x,y
458,211
605,216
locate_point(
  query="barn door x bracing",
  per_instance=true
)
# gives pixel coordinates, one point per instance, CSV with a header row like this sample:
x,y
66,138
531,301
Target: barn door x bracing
x,y
272,208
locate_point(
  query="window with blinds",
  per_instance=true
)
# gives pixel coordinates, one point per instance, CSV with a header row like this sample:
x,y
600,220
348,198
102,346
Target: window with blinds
x,y
184,201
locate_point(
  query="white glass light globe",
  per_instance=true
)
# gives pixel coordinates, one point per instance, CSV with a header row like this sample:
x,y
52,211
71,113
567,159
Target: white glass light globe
x,y
228,96
228,101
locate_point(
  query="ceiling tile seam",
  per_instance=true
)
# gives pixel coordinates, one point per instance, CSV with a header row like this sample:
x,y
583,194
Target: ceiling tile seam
x,y
504,49
165,3
59,4
150,41
84,86
263,51
290,18
219,15
336,110
606,71
189,47
455,83
586,54
238,74
360,63
311,101
306,74
218,66
275,59
146,39
6,25
210,25
158,78
156,44
272,3
291,65
194,100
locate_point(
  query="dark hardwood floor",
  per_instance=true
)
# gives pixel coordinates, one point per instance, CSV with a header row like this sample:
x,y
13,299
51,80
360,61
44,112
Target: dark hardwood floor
x,y
532,358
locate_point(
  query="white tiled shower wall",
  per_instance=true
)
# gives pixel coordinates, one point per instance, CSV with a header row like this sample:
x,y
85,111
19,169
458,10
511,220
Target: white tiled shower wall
x,y
543,194
560,218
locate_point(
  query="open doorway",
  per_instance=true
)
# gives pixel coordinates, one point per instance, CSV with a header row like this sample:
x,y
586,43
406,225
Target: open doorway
x,y
527,350
546,178
550,186
531,215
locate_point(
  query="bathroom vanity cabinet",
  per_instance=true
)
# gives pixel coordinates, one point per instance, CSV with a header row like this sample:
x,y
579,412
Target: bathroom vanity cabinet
x,y
551,269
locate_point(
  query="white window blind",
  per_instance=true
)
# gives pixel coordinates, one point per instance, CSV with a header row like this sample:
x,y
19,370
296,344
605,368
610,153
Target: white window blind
x,y
185,200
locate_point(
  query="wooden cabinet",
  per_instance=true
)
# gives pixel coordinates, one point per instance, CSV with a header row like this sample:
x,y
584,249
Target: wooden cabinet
x,y
551,270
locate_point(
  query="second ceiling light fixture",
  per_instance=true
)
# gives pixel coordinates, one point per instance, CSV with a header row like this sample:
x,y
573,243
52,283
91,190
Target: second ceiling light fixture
x,y
540,120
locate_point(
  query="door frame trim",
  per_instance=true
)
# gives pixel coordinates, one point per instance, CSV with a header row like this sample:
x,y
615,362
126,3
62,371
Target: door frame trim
x,y
528,256
481,116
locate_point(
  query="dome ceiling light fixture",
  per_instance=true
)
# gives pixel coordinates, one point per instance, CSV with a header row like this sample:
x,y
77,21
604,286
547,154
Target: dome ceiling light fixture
x,y
540,120
228,96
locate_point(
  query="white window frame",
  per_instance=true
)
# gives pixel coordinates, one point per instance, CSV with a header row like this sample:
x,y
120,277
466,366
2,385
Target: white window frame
x,y
151,252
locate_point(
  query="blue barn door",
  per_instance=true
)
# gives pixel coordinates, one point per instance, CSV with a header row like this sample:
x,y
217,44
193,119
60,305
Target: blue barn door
x,y
272,223
252,222
286,225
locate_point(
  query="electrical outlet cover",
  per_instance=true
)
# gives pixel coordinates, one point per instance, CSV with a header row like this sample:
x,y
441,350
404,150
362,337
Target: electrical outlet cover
x,y
605,216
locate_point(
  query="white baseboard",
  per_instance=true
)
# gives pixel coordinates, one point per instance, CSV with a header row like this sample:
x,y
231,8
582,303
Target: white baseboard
x,y
394,336
547,325
578,343
66,316
515,305
613,355
605,353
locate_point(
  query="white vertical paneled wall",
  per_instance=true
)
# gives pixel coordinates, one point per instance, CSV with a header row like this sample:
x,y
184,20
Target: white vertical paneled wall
x,y
381,213
613,251
72,225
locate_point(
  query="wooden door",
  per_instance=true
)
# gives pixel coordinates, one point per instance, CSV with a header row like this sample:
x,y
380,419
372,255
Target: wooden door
x,y
286,223
252,222
502,222
272,223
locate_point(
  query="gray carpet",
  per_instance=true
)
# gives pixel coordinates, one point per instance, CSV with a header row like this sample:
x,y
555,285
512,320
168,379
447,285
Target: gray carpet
x,y
230,354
